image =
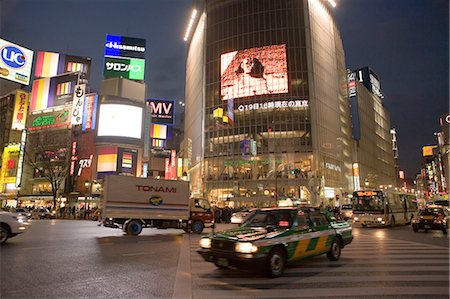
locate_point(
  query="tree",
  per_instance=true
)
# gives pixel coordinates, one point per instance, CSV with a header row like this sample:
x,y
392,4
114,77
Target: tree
x,y
48,155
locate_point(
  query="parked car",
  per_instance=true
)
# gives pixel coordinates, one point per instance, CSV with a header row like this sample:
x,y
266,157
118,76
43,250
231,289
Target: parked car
x,y
22,211
271,238
239,217
431,218
347,211
43,213
443,203
11,224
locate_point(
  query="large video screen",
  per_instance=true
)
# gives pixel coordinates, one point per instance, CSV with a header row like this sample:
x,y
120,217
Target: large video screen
x,y
252,72
120,120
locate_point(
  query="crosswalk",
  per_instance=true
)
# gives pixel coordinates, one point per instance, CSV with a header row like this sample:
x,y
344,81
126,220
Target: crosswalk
x,y
369,267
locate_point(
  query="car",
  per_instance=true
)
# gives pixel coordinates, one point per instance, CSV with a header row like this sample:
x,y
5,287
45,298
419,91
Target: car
x,y
22,211
271,238
11,224
239,217
443,203
43,213
347,211
431,218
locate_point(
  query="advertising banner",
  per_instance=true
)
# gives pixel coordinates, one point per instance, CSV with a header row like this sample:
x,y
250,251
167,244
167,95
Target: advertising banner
x,y
120,121
15,62
133,69
252,72
49,120
90,112
21,104
127,161
123,46
106,161
162,111
78,103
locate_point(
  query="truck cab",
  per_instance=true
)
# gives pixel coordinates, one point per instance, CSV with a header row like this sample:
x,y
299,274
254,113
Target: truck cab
x,y
201,214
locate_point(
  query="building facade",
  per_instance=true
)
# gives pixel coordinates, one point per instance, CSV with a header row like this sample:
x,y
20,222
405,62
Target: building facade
x,y
267,113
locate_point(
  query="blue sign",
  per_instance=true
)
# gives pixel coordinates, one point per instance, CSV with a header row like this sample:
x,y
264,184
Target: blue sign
x,y
122,46
13,57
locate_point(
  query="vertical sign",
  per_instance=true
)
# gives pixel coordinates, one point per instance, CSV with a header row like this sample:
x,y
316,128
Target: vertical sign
x,y
78,103
167,168
20,110
21,154
73,157
356,183
173,164
90,112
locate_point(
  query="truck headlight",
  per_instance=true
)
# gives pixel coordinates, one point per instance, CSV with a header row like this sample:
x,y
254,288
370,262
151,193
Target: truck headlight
x,y
205,243
379,219
355,218
246,247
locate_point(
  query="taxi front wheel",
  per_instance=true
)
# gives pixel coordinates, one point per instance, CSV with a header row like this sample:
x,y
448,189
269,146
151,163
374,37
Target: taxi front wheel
x,y
335,251
276,263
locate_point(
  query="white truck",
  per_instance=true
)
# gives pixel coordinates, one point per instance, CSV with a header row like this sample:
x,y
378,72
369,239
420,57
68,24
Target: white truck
x,y
132,203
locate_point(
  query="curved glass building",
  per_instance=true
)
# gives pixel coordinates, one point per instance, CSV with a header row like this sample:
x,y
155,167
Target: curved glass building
x,y
267,111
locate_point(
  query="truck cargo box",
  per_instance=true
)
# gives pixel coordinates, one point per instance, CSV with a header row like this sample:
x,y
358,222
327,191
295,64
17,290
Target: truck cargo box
x,y
145,198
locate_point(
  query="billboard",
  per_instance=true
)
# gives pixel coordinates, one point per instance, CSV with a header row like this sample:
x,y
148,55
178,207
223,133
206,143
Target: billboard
x,y
106,161
50,64
162,111
370,80
127,159
123,46
20,110
120,121
128,68
54,91
55,118
252,72
15,62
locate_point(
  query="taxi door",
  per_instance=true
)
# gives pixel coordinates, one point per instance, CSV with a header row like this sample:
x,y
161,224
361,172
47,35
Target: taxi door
x,y
322,234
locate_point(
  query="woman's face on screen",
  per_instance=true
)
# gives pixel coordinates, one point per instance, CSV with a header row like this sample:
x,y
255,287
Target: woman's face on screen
x,y
247,65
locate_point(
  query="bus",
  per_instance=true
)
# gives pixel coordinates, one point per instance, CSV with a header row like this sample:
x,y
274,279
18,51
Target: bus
x,y
383,208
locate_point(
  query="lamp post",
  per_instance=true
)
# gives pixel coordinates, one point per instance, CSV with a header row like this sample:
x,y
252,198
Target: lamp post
x,y
17,195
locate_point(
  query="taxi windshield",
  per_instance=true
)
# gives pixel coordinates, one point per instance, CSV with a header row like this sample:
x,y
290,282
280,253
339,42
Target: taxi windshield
x,y
274,218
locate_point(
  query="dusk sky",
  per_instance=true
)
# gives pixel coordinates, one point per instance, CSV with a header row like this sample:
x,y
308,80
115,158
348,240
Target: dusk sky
x,y
406,42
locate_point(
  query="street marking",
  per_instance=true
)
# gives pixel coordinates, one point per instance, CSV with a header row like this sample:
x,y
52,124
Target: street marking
x,y
137,253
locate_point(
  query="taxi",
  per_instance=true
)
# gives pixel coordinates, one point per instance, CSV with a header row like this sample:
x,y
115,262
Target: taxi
x,y
271,238
431,217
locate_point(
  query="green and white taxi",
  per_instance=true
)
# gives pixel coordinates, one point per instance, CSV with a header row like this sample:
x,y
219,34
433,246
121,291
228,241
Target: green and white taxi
x,y
273,237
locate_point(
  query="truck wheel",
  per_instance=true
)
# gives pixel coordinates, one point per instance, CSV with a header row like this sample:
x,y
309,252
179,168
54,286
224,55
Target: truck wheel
x,y
197,227
134,228
275,263
335,251
4,234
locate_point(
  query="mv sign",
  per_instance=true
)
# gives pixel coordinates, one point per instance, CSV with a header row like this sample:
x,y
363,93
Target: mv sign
x,y
162,111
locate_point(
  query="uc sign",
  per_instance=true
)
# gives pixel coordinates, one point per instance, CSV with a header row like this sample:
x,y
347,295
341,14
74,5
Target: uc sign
x,y
13,57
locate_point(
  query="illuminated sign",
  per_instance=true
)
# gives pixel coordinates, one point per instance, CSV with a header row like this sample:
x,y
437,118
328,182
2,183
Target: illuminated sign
x,y
162,111
367,193
20,110
120,120
355,172
48,120
21,154
90,112
428,150
123,46
133,69
84,163
333,167
77,104
73,157
15,62
370,80
274,105
351,84
252,72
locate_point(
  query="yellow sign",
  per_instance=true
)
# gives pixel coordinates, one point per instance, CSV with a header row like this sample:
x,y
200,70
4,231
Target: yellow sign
x,y
428,150
21,104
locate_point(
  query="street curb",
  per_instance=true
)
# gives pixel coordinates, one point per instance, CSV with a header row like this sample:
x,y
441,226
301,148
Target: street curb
x,y
183,278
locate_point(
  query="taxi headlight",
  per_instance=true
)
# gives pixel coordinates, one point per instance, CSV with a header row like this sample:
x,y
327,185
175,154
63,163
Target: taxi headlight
x,y
355,218
205,243
379,219
246,247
